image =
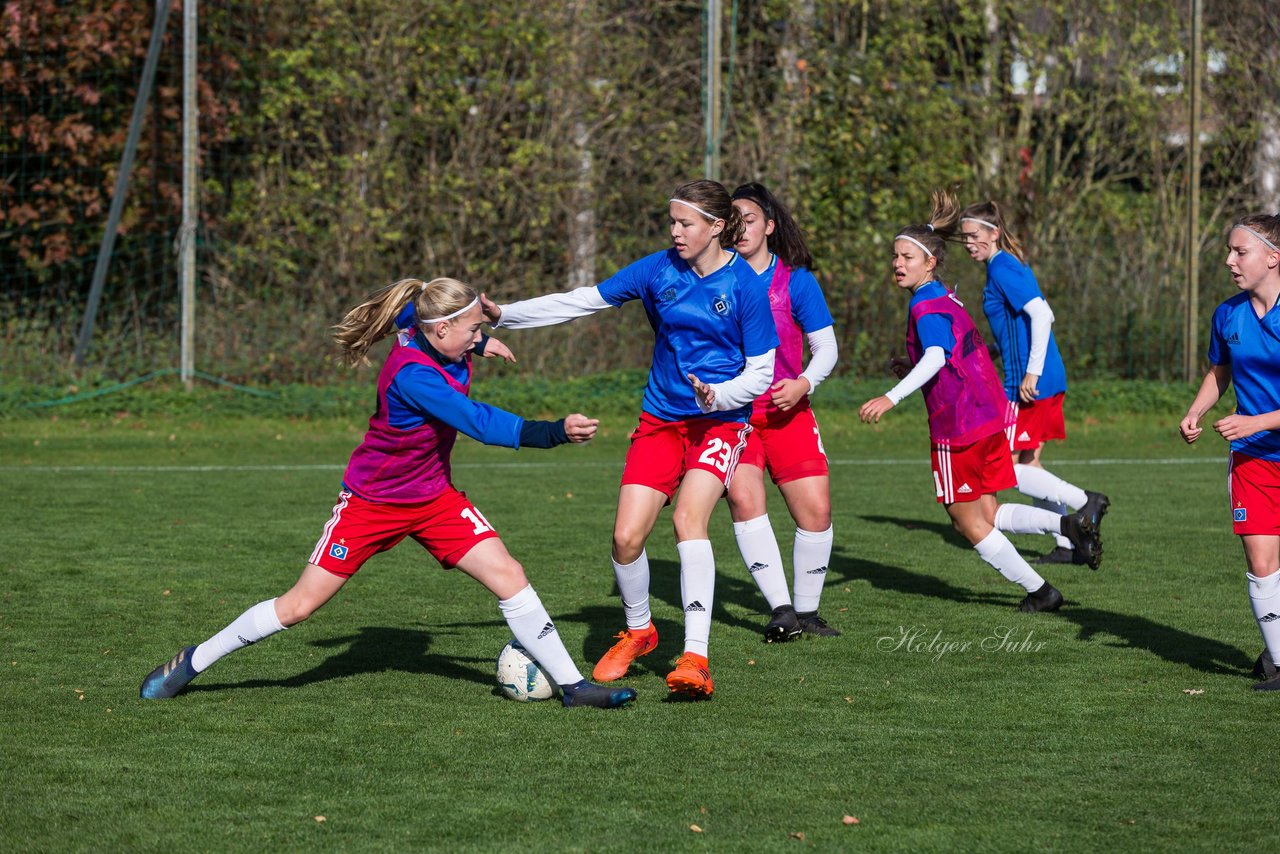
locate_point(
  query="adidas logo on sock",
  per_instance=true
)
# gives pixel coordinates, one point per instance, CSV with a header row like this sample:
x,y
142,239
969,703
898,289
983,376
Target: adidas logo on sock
x,y
695,605
546,630
756,567
244,640
819,571
1270,618
964,489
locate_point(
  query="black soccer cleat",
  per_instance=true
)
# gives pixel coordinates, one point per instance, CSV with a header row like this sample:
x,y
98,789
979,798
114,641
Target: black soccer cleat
x,y
1264,667
1271,683
1047,598
1095,507
783,625
812,624
1061,555
597,696
168,680
1080,529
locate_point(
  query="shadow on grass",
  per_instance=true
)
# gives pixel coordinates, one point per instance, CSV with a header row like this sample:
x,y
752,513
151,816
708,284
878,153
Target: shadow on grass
x,y
1131,631
374,649
946,532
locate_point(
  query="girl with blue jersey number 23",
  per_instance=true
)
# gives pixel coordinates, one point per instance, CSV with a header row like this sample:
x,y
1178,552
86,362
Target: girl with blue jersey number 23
x,y
714,343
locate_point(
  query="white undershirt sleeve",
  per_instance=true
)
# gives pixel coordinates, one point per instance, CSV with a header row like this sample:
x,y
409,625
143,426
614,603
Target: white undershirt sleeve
x,y
823,352
746,386
1041,324
928,366
551,309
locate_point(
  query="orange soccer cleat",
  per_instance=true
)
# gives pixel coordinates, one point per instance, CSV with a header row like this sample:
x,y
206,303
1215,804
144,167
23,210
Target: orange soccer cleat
x,y
631,644
691,677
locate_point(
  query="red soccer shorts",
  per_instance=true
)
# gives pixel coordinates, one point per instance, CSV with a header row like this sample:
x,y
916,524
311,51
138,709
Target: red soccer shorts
x,y
1037,423
788,444
1254,490
968,472
662,451
448,526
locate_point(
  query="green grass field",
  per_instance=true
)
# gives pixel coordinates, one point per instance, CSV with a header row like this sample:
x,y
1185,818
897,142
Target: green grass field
x,y
1123,722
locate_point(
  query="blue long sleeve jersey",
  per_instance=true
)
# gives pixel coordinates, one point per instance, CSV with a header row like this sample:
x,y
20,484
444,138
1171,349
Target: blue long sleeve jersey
x,y
418,393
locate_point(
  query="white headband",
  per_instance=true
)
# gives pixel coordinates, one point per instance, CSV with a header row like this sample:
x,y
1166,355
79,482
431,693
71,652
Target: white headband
x,y
990,225
462,310
711,217
916,242
1270,245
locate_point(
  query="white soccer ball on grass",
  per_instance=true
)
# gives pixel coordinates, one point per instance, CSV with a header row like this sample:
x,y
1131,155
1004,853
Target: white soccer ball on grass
x,y
520,677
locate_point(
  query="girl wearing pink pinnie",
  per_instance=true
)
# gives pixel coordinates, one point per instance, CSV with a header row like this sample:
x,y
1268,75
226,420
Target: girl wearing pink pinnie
x,y
967,411
399,483
784,436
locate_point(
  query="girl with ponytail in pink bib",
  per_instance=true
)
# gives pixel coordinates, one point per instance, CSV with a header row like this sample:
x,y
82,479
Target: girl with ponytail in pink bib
x,y
784,434
399,483
968,413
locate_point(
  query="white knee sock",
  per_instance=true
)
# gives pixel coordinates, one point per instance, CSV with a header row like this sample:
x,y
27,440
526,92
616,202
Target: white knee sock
x,y
532,626
1035,482
1059,508
759,548
633,586
697,591
1264,596
1000,553
1021,519
253,625
812,553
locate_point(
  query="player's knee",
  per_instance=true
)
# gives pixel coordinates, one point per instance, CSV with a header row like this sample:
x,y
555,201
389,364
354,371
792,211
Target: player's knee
x,y
628,543
291,610
689,524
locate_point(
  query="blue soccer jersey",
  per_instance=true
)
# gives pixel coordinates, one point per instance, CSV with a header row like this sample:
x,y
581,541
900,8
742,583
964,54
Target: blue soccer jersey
x,y
808,304
701,326
1251,347
933,329
1010,286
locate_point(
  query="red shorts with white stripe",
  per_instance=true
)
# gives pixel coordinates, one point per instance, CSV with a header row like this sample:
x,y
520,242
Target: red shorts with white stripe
x,y
662,451
448,526
1254,490
789,444
968,472
1037,423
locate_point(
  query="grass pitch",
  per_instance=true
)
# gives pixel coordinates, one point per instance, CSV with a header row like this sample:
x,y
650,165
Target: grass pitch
x,y
940,720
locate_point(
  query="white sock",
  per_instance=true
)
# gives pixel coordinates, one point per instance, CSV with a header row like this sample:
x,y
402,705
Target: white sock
x,y
1264,596
1062,510
1035,482
633,586
812,553
532,626
759,549
1000,553
697,592
253,625
1021,519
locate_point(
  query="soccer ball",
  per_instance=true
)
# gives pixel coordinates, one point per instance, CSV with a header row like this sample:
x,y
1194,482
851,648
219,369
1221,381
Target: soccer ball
x,y
520,677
